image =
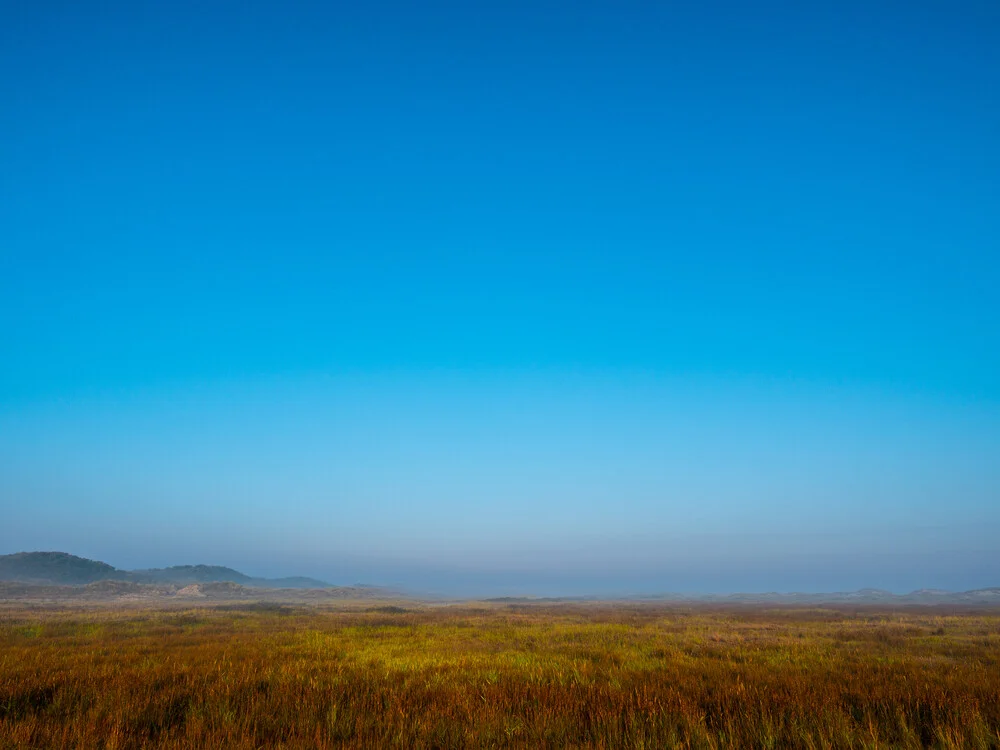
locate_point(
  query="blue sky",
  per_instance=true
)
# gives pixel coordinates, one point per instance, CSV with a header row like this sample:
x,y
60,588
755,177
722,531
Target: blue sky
x,y
514,297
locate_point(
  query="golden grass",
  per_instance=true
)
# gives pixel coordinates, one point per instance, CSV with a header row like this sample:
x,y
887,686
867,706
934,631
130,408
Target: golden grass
x,y
596,676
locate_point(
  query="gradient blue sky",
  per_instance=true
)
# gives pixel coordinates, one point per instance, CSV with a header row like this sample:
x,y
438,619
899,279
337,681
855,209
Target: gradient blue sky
x,y
548,297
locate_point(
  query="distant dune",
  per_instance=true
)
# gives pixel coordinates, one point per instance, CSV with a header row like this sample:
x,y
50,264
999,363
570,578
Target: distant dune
x,y
987,596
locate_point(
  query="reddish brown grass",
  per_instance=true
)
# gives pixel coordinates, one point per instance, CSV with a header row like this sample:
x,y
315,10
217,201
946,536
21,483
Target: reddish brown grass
x,y
595,676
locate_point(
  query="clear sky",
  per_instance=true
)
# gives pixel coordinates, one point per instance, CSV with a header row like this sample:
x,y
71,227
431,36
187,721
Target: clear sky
x,y
540,297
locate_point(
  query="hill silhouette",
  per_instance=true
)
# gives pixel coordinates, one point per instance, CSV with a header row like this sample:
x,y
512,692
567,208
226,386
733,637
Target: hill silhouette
x,y
189,574
56,567
63,569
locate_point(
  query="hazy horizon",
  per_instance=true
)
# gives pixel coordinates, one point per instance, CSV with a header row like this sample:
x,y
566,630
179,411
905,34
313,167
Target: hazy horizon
x,y
547,299
514,484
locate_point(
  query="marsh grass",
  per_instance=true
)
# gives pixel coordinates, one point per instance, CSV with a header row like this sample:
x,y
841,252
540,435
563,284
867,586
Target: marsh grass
x,y
586,675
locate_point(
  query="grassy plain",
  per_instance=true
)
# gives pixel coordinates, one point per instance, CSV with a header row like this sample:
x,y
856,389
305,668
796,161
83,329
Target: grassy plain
x,y
580,675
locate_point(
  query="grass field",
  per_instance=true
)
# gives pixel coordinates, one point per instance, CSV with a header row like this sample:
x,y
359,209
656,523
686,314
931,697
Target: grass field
x,y
582,675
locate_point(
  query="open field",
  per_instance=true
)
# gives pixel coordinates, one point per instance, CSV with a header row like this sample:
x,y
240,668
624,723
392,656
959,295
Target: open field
x,y
479,675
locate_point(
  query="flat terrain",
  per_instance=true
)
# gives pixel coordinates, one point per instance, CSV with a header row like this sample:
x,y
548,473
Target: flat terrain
x,y
366,674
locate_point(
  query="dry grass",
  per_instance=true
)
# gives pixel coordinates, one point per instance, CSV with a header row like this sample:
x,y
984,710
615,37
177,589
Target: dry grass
x,y
524,676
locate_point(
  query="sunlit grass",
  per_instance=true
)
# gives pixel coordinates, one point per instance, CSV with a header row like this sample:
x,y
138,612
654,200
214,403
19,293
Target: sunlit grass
x,y
530,676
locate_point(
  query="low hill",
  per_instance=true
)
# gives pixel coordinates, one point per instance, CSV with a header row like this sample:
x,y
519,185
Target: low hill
x,y
185,574
62,569
55,567
188,574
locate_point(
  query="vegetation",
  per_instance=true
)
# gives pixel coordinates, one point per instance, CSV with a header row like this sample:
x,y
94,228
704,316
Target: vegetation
x,y
582,675
55,567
